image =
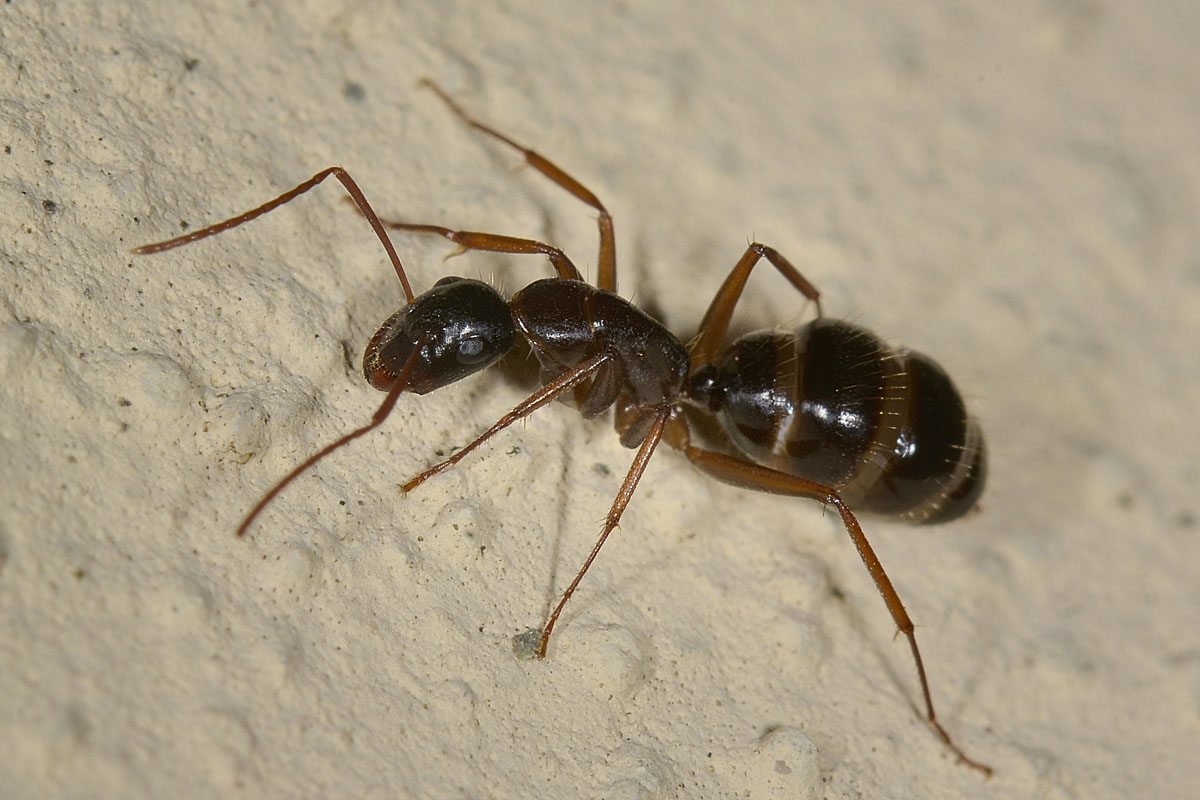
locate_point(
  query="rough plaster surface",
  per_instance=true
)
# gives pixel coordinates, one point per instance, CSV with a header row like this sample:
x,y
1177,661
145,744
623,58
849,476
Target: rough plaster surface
x,y
1013,191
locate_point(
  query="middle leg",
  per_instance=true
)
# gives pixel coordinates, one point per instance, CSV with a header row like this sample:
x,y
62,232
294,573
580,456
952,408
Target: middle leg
x,y
624,495
607,277
494,243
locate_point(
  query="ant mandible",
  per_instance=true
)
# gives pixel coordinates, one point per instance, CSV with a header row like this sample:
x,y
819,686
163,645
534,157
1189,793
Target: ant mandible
x,y
828,412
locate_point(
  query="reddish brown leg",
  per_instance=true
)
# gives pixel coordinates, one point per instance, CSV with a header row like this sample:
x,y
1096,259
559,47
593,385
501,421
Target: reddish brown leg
x,y
749,475
494,243
381,414
541,397
612,520
707,344
607,277
355,194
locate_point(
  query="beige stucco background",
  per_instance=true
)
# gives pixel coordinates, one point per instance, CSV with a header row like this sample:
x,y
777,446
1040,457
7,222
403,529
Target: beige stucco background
x,y
1012,190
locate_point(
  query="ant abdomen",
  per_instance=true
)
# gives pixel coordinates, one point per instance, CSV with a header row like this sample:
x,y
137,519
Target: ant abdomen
x,y
834,404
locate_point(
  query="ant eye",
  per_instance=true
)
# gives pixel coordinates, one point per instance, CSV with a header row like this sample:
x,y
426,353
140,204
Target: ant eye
x,y
472,350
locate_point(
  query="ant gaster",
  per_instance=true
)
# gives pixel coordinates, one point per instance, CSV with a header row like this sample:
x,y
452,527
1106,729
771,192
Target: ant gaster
x,y
827,412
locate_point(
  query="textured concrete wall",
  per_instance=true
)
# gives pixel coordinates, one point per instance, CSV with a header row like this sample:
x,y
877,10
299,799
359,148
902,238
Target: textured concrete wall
x,y
1013,191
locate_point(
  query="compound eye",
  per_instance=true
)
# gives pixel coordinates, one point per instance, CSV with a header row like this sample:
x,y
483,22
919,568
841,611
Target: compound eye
x,y
472,350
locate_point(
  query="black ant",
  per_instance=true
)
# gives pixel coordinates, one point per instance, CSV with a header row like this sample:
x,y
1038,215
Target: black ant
x,y
828,412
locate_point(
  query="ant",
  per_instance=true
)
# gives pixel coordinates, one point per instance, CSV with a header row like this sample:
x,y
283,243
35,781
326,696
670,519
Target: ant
x,y
828,411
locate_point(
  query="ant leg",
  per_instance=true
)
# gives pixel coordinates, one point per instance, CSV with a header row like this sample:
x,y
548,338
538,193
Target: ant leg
x,y
563,383
607,277
749,475
356,195
612,520
494,243
705,346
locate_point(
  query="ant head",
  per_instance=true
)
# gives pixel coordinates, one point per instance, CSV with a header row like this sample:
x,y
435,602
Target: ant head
x,y
455,329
